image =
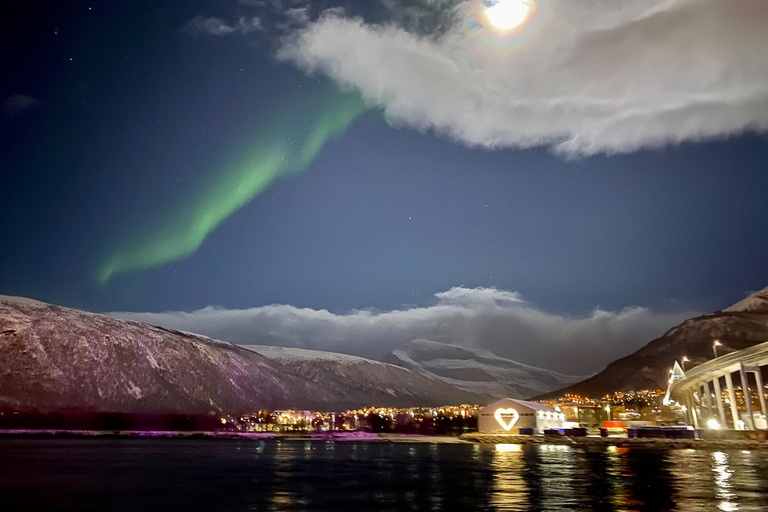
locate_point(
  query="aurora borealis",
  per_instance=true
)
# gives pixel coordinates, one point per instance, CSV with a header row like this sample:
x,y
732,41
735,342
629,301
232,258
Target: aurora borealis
x,y
602,163
285,145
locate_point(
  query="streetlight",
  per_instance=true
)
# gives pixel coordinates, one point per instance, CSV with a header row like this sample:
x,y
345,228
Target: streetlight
x,y
714,347
683,361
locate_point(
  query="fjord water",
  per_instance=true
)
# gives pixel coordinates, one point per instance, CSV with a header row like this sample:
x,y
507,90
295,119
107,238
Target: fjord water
x,y
205,474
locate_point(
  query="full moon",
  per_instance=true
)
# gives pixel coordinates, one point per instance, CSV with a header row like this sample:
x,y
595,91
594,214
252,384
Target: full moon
x,y
508,14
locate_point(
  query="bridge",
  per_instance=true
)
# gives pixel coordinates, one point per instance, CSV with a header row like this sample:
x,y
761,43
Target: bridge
x,y
700,390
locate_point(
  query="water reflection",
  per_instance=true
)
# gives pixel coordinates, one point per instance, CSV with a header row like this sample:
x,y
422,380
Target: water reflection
x,y
647,480
723,486
617,490
281,494
691,479
750,479
510,490
550,474
206,475
554,478
435,498
597,479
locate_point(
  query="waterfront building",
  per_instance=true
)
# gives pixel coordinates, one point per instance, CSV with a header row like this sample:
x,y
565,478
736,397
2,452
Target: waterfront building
x,y
510,416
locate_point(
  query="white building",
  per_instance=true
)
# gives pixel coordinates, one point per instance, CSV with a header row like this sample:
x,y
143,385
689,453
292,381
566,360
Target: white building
x,y
508,416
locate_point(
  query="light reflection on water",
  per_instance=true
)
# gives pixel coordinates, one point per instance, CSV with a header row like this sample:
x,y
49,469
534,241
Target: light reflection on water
x,y
135,474
723,486
510,490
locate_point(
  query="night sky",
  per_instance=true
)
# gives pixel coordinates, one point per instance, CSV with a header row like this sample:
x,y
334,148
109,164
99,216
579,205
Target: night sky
x,y
386,158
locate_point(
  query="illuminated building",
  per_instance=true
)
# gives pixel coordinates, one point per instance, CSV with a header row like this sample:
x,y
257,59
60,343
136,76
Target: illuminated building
x,y
510,416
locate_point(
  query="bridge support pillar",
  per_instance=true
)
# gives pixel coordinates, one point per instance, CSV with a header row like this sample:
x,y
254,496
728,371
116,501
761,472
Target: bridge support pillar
x,y
747,396
760,390
732,400
719,401
706,399
692,409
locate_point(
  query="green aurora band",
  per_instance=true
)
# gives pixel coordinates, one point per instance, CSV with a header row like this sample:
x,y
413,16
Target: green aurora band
x,y
288,147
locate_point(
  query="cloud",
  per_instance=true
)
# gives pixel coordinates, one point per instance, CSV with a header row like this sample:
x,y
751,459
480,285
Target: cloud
x,y
583,77
298,15
497,320
17,103
212,26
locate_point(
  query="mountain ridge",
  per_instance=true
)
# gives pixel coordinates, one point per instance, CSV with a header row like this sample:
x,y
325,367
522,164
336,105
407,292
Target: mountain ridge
x,y
58,358
755,302
477,370
737,327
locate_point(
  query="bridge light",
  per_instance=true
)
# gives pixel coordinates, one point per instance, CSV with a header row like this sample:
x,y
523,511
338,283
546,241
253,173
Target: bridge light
x,y
713,424
683,361
714,347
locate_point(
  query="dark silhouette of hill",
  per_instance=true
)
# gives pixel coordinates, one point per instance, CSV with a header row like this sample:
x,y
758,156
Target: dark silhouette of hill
x,y
737,327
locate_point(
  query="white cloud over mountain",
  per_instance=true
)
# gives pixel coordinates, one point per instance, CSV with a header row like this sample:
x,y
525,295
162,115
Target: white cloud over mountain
x,y
497,320
584,77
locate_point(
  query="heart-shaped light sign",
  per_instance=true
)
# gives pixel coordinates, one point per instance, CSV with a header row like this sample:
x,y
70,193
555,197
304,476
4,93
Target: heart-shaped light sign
x,y
506,418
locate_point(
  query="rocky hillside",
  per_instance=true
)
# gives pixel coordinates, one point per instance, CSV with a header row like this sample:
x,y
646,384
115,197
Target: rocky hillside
x,y
59,359
737,327
477,370
350,379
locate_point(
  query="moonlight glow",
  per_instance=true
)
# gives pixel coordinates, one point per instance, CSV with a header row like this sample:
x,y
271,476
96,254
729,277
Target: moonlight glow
x,y
508,14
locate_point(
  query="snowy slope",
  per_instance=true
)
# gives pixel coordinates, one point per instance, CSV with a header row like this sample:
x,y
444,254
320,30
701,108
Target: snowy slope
x,y
354,379
757,302
287,355
478,370
56,359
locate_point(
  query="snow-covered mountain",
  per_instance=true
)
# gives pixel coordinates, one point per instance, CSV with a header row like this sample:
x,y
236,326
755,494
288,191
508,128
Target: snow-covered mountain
x,y
477,370
351,379
755,303
736,327
61,359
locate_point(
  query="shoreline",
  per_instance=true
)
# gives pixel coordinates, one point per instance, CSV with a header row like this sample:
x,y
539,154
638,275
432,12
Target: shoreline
x,y
619,442
470,438
257,436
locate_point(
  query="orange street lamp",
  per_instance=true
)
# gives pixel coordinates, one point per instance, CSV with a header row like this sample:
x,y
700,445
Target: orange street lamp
x,y
683,361
714,347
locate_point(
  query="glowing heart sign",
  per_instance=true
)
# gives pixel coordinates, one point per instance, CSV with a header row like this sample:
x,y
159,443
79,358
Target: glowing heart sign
x,y
506,418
